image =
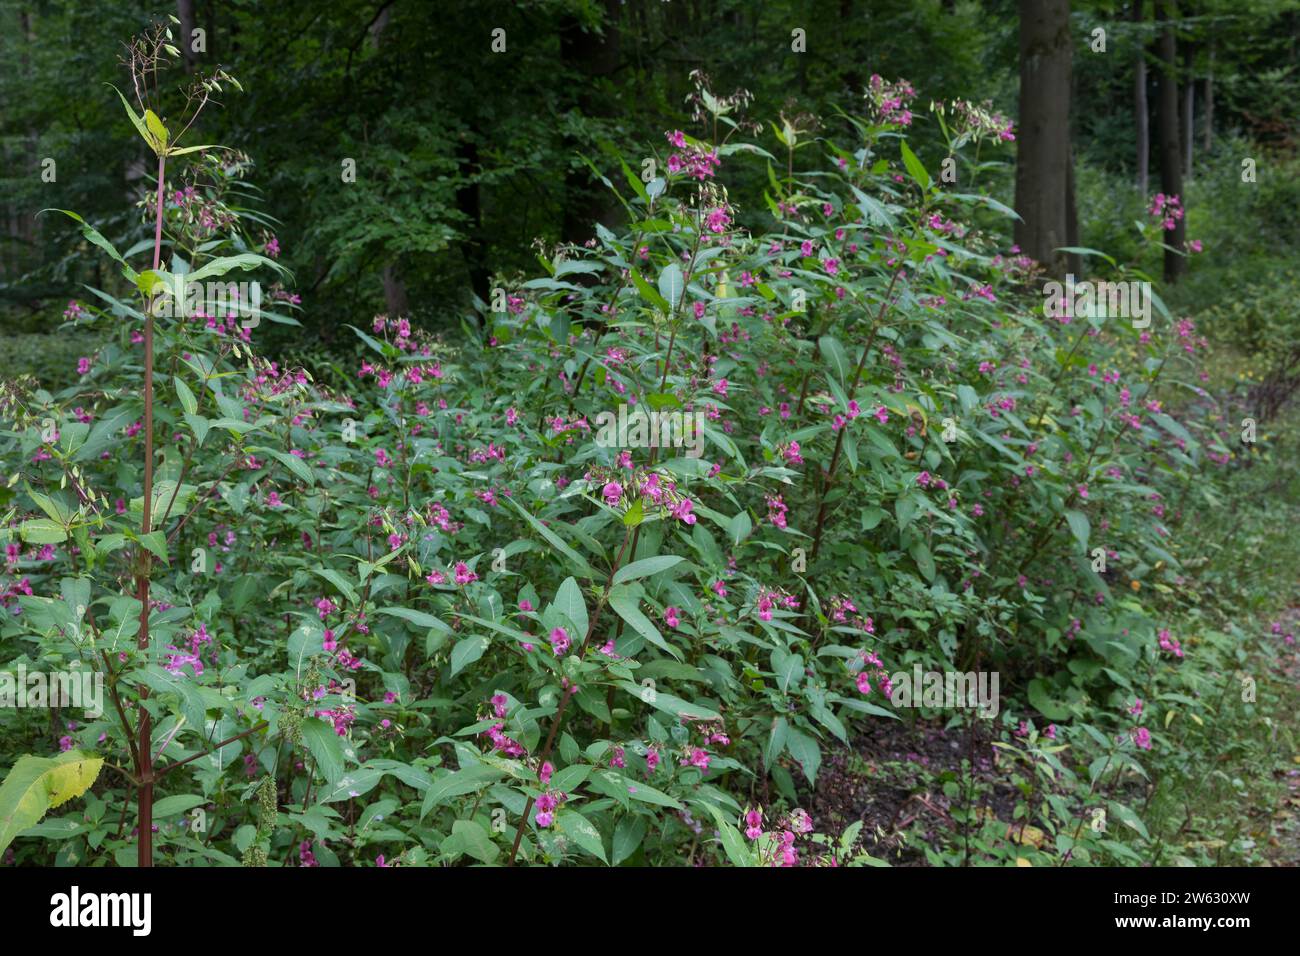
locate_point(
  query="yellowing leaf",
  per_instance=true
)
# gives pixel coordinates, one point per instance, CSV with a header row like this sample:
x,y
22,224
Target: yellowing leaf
x,y
1021,861
38,784
156,127
1026,835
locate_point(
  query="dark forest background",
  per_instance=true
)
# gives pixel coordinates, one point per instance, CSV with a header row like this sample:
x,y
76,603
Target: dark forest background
x,y
465,157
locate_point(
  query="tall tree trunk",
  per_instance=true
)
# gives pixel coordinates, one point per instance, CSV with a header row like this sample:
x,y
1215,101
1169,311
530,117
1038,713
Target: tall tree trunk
x,y
1171,165
1142,112
1043,153
396,301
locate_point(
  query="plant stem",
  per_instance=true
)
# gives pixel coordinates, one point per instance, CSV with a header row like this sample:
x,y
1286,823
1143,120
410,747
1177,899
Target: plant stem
x,y
144,745
839,441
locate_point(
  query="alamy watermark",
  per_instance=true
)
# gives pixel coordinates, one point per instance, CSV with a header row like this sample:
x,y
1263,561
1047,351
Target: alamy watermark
x,y
181,298
38,690
638,428
1124,299
952,690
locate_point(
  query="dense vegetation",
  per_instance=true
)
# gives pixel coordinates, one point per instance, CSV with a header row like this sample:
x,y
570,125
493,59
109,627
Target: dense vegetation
x,y
382,588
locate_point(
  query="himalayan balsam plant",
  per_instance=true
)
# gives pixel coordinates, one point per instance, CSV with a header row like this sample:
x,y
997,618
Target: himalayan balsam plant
x,y
434,618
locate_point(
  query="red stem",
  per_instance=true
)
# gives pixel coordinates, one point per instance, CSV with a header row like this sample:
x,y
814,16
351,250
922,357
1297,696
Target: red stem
x,y
144,745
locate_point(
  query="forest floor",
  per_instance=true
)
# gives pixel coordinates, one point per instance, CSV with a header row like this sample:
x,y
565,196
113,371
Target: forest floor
x,y
892,777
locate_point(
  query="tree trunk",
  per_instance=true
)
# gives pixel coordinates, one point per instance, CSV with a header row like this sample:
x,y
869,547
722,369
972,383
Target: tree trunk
x,y
396,301
1142,113
1043,154
1171,165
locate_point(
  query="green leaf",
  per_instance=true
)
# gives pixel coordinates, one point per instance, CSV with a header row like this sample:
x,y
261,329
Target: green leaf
x,y
93,236
806,751
733,843
628,834
776,741
649,294
137,122
1079,525
578,828
188,401
914,167
467,651
580,563
739,527
569,602
471,839
326,746
1128,818
835,356
674,706
42,531
924,559
626,603
1043,703
469,779
173,806
340,582
36,785
244,261
182,687
156,543
670,285
418,618
646,567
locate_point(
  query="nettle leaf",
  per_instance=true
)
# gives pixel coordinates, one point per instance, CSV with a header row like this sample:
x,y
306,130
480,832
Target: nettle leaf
x,y
36,785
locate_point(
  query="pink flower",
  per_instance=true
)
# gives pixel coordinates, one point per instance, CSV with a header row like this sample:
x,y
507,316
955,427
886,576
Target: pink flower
x,y
612,493
560,642
671,618
682,511
463,574
698,757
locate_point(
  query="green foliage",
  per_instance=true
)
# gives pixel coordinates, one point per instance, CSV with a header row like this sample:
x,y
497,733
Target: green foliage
x,y
425,607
